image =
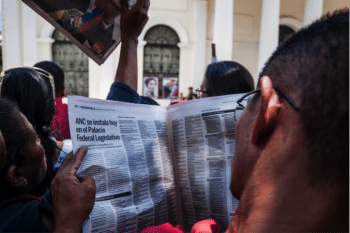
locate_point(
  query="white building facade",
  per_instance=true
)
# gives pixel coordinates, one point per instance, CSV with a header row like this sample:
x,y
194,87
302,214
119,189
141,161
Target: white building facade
x,y
245,31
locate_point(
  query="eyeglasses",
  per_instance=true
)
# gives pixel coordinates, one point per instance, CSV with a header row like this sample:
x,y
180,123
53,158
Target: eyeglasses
x,y
48,76
199,93
243,101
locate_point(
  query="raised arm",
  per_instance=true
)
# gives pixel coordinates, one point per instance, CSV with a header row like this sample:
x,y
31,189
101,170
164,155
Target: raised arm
x,y
132,23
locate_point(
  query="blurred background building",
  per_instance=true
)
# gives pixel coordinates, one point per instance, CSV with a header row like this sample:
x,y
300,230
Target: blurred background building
x,y
175,44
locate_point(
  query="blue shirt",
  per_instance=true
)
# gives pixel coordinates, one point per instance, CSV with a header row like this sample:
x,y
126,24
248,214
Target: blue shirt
x,y
24,214
122,92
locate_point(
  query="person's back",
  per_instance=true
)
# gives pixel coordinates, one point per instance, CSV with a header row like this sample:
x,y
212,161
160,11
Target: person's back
x,y
60,122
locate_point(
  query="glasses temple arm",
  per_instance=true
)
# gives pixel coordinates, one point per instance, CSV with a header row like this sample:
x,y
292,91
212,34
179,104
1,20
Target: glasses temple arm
x,y
289,100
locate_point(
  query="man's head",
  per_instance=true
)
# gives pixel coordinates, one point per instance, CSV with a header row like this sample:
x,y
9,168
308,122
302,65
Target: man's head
x,y
312,67
190,89
57,74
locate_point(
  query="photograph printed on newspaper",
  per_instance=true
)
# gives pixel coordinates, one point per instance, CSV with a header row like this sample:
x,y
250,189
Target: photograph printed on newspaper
x,y
92,25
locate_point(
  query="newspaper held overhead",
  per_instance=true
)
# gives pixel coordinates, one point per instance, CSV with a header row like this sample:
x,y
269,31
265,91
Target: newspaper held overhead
x,y
154,164
92,25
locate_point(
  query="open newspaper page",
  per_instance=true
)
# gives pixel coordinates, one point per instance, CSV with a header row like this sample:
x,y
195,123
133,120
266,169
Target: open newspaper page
x,y
129,159
203,135
92,25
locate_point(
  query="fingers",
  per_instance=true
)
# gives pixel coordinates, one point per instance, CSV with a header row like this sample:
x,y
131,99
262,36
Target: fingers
x,y
139,4
147,4
88,182
123,5
72,163
145,8
66,161
77,159
142,26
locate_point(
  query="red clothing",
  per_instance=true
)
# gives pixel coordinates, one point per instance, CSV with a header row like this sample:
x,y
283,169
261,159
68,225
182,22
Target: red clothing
x,y
60,123
204,226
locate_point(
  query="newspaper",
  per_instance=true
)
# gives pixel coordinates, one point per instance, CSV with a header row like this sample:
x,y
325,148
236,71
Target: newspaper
x,y
92,25
154,164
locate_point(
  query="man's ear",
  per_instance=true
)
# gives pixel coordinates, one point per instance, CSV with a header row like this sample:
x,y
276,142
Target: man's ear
x,y
268,115
15,177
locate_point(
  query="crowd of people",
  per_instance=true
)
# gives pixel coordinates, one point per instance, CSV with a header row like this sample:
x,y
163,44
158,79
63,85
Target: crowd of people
x,y
290,170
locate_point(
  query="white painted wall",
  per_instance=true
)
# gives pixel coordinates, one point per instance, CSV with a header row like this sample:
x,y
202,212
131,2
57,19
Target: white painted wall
x,y
188,18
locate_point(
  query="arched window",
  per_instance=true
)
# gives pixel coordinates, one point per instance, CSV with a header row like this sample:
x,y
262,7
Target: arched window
x,y
74,63
161,63
284,33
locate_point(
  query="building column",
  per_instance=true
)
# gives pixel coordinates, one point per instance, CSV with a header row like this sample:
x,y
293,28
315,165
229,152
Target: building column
x,y
186,58
312,11
140,52
11,34
19,34
269,27
100,78
29,31
223,29
44,50
200,45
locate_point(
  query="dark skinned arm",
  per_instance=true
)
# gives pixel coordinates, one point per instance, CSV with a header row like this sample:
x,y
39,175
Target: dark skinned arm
x,y
132,23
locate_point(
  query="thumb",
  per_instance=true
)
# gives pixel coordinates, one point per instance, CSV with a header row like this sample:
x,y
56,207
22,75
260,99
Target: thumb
x,y
88,182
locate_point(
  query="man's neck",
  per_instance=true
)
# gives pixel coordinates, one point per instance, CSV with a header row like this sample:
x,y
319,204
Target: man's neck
x,y
291,205
279,196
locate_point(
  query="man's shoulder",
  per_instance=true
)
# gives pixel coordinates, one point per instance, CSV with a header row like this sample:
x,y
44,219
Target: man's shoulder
x,y
122,92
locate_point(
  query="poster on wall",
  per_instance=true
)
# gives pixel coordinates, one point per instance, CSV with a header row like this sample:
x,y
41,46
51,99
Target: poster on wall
x,y
92,25
170,88
150,87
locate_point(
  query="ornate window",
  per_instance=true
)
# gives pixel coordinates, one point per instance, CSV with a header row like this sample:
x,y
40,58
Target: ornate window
x,y
161,63
74,64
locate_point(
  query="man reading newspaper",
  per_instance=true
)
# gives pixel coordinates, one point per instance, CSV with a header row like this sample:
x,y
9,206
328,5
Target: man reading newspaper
x,y
291,165
290,169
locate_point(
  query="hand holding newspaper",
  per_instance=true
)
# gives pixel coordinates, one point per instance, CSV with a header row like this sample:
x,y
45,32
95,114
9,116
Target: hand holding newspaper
x,y
154,164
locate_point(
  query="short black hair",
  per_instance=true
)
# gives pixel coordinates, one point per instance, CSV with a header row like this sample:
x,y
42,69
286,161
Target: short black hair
x,y
313,68
57,73
228,77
